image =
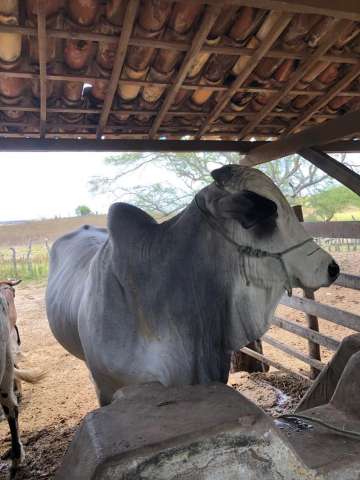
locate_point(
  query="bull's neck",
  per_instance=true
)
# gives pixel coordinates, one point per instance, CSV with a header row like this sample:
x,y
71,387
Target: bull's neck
x,y
242,312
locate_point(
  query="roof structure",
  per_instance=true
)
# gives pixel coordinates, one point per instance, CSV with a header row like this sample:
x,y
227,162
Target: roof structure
x,y
158,69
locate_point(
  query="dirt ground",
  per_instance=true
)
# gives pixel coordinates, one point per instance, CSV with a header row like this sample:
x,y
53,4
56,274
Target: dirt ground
x,y
52,409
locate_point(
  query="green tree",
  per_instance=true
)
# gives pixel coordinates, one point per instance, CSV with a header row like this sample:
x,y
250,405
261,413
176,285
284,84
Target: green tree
x,y
82,210
333,200
294,176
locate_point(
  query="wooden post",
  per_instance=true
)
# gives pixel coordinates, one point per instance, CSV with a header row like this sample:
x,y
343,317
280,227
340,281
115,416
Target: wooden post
x,y
28,258
14,261
312,320
47,245
241,362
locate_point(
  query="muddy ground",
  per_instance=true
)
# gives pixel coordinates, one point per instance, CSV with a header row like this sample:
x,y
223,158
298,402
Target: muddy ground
x,y
52,409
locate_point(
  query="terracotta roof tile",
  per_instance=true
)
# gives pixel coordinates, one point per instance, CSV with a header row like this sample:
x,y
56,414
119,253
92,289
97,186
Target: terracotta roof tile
x,y
82,40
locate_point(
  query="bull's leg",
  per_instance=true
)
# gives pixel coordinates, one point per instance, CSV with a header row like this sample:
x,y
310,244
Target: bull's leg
x,y
9,405
18,390
103,399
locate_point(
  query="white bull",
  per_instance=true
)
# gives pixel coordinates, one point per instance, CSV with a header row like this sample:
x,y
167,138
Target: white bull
x,y
168,302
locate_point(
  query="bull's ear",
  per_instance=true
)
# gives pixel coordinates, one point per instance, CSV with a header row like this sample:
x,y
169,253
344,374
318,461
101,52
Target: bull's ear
x,y
247,207
222,175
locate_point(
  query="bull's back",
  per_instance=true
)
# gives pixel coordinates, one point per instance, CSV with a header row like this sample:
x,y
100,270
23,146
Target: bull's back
x,y
70,260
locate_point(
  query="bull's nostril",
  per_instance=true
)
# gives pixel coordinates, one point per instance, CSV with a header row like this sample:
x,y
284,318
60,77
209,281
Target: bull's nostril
x,y
333,270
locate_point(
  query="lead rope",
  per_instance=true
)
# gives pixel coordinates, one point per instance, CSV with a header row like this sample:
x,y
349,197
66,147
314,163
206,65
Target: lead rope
x,y
246,250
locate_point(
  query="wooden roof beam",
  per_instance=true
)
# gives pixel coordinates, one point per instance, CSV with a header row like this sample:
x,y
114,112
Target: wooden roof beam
x,y
338,27
200,37
41,31
120,55
180,113
186,86
325,99
172,45
348,9
333,168
281,23
340,127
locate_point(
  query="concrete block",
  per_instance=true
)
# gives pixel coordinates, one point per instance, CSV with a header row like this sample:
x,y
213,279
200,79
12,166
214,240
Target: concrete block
x,y
190,432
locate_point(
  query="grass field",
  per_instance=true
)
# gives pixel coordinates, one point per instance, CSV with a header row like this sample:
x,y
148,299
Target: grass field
x,y
19,234
15,259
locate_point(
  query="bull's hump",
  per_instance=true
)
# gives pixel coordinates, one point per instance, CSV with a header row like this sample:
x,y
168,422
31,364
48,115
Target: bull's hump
x,y
128,220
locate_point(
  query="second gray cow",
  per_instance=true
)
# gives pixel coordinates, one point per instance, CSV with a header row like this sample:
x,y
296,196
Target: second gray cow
x,y
169,302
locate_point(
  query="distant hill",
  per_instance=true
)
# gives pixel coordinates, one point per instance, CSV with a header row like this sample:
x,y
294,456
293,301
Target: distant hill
x,y
19,233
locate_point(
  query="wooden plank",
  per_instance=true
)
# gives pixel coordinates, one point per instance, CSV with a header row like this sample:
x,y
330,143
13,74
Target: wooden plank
x,y
332,167
292,352
337,29
333,229
342,146
348,281
313,324
333,314
173,112
325,99
282,22
349,9
273,363
317,229
173,45
186,86
327,132
312,321
130,15
317,337
200,37
42,46
28,145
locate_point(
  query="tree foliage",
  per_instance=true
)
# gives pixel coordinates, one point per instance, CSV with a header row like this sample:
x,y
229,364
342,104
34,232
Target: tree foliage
x,y
190,172
333,200
82,210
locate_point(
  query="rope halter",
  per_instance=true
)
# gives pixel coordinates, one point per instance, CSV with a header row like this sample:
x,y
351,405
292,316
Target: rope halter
x,y
248,251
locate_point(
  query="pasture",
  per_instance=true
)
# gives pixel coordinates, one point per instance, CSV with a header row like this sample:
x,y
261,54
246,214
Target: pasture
x,y
24,246
52,410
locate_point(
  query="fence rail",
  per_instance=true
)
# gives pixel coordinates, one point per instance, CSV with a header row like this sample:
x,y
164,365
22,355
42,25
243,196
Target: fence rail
x,y
307,333
332,231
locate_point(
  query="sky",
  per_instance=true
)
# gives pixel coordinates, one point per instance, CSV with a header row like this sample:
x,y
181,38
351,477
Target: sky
x,y
45,185
42,185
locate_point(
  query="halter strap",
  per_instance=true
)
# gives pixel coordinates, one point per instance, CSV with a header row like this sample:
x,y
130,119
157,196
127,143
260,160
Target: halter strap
x,y
247,250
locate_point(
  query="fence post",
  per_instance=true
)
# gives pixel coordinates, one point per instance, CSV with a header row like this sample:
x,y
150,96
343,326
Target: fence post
x,y
14,261
312,320
47,245
28,258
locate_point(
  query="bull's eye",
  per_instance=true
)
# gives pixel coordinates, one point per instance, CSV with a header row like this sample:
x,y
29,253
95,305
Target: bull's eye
x,y
266,227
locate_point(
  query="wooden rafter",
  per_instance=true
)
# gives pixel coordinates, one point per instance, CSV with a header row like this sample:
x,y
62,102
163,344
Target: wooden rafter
x,y
325,99
41,31
208,21
186,86
178,113
24,144
338,28
282,22
172,45
333,168
349,9
120,55
348,124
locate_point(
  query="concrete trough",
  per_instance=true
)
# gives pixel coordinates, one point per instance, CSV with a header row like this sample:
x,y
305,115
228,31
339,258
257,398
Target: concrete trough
x,y
209,432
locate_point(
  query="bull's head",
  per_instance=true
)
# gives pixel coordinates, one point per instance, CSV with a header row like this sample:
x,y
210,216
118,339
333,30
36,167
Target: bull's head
x,y
252,211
